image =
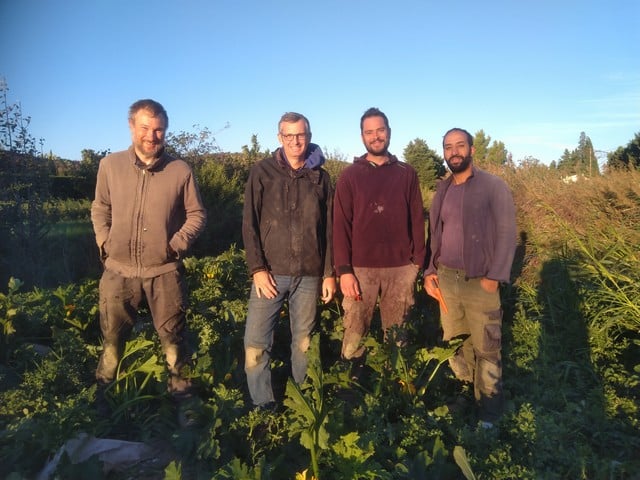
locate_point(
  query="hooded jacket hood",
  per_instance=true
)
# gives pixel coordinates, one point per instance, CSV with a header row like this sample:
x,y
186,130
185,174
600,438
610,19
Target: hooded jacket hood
x,y
315,157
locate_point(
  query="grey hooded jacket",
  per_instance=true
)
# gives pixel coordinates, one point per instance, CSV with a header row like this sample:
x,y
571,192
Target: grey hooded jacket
x,y
141,214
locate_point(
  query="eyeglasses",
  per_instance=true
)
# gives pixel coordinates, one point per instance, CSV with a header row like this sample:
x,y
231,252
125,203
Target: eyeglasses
x,y
289,137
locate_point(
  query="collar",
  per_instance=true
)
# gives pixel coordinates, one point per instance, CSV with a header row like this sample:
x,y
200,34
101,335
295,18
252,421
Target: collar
x,y
155,165
390,161
313,158
313,174
450,180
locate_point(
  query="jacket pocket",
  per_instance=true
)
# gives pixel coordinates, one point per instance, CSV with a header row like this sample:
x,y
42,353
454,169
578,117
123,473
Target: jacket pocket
x,y
154,253
119,251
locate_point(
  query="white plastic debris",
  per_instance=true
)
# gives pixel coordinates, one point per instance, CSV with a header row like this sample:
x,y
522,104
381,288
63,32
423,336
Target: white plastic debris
x,y
115,454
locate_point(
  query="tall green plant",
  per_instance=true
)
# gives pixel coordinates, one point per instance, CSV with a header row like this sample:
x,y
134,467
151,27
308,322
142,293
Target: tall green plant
x,y
614,268
308,411
8,309
137,367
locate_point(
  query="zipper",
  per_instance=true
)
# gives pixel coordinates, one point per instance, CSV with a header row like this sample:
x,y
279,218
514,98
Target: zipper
x,y
139,222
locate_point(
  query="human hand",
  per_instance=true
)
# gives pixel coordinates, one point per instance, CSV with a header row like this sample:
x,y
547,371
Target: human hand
x,y
328,289
432,287
488,285
103,254
431,284
350,286
265,284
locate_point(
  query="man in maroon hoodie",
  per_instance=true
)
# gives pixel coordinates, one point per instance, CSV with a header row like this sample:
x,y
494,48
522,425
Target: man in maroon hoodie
x,y
378,236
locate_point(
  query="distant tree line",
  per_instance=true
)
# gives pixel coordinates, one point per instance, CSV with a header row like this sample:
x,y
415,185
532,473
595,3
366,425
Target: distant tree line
x,y
626,157
34,187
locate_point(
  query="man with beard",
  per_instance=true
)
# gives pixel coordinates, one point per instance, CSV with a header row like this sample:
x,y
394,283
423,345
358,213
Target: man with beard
x,y
471,245
146,214
378,237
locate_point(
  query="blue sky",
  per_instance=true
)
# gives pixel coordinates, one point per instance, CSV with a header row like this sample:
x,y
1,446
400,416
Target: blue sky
x,y
530,74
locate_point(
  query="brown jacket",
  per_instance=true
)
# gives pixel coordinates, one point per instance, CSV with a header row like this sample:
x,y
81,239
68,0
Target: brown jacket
x,y
140,211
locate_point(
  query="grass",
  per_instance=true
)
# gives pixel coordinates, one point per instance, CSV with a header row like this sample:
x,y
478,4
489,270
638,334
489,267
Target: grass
x,y
65,252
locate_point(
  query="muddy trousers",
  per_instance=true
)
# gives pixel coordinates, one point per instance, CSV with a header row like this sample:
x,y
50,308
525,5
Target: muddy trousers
x,y
477,315
120,298
392,289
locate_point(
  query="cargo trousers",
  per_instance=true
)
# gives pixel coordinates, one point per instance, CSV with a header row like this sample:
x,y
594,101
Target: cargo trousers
x,y
476,315
120,298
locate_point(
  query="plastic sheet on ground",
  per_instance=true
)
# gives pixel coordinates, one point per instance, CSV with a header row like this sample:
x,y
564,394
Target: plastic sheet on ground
x,y
115,454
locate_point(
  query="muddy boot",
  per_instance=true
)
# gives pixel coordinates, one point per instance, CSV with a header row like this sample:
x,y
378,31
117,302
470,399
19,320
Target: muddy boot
x,y
108,363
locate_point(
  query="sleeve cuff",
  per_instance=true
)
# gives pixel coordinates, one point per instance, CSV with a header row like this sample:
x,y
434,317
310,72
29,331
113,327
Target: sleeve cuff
x,y
344,269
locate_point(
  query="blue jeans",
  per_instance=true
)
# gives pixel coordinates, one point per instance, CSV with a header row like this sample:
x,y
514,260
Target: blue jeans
x,y
302,295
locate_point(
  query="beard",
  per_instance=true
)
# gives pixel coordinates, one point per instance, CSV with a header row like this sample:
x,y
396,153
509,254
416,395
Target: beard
x,y
459,167
379,149
150,150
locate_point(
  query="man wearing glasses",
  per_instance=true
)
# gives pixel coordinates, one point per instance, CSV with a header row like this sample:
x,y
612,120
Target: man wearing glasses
x,y
379,238
286,230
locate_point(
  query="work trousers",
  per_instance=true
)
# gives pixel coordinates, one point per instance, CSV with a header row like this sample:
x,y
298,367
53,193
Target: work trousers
x,y
120,298
477,315
393,288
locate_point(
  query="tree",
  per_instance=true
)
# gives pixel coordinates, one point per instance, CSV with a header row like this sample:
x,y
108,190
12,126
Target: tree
x,y
14,126
566,163
252,154
222,187
627,157
487,153
192,146
335,155
581,161
427,163
334,168
90,160
481,143
586,156
530,162
497,154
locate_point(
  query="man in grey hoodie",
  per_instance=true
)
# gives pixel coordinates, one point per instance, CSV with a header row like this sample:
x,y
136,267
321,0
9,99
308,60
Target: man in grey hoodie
x,y
146,214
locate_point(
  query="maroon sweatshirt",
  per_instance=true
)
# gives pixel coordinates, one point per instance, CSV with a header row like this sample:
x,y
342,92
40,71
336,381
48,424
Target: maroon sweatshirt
x,y
378,218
